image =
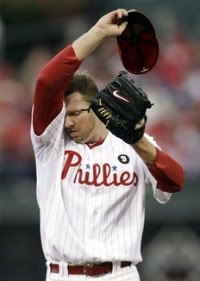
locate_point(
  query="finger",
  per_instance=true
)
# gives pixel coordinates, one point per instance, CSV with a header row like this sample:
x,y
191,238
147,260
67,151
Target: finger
x,y
124,13
121,22
122,26
121,13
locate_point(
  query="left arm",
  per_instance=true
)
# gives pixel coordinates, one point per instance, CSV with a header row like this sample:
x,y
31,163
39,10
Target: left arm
x,y
167,171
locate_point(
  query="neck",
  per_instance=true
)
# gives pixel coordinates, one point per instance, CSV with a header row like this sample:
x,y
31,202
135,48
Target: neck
x,y
99,133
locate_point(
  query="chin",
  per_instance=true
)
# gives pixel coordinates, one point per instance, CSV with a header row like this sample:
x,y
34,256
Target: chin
x,y
78,140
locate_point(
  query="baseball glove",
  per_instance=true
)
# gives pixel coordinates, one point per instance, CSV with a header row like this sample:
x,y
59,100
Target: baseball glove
x,y
122,106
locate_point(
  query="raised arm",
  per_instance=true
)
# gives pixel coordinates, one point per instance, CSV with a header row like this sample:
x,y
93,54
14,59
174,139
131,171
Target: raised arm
x,y
55,76
106,27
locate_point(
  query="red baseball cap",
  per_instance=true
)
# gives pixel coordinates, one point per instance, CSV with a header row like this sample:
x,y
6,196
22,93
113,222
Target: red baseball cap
x,y
138,45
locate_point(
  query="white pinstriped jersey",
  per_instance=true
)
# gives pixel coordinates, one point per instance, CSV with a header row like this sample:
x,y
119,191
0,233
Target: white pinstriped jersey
x,y
91,199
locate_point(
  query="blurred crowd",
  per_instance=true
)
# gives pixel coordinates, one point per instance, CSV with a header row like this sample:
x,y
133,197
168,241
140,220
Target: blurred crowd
x,y
173,86
175,252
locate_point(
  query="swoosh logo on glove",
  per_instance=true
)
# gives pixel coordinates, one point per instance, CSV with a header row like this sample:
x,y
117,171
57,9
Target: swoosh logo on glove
x,y
116,94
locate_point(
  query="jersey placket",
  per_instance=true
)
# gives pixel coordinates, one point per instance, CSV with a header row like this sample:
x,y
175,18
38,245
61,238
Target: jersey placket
x,y
92,222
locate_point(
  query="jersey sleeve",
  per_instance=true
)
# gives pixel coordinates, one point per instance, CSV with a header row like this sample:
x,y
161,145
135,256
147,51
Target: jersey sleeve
x,y
50,88
48,112
50,142
160,195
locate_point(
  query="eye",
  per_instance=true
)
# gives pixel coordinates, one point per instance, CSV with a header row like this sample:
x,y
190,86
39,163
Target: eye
x,y
76,113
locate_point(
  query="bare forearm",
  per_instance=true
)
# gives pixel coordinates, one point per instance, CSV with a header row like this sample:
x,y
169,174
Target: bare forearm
x,y
146,150
88,42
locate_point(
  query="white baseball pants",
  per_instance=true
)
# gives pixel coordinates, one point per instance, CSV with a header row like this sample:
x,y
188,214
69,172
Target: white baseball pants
x,y
128,273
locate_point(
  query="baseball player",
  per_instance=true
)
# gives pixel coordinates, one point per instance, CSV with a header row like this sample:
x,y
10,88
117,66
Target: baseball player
x,y
93,165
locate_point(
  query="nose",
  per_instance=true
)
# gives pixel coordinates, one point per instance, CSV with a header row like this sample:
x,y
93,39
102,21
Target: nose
x,y
69,123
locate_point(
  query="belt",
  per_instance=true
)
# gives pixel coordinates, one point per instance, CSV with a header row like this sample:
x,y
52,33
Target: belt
x,y
89,269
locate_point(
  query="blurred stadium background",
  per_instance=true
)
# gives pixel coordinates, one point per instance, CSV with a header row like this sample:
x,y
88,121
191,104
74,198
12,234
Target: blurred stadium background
x,y
31,32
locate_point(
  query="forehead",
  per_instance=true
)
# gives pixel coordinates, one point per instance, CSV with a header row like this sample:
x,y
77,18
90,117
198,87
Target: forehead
x,y
75,101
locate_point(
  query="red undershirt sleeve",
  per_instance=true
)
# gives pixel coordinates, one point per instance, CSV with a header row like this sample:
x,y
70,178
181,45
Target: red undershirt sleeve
x,y
50,88
168,172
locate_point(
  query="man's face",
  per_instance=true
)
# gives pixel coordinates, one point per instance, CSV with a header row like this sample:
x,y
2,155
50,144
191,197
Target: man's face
x,y
79,121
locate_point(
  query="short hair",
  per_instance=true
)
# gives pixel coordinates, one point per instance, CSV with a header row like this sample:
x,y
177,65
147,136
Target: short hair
x,y
83,83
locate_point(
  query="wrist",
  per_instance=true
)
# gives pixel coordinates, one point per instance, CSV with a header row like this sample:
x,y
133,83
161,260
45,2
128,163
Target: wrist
x,y
140,143
98,32
88,42
146,150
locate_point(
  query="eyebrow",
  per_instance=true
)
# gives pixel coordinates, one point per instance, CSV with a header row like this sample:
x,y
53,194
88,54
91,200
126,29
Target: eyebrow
x,y
71,111
78,110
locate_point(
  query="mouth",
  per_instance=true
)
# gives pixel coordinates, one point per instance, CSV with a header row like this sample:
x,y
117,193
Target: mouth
x,y
74,135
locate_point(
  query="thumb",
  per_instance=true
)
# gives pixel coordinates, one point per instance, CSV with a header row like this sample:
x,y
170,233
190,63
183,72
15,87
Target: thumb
x,y
122,27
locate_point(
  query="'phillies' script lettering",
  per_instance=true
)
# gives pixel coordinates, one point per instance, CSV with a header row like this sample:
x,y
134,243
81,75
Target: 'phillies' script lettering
x,y
92,177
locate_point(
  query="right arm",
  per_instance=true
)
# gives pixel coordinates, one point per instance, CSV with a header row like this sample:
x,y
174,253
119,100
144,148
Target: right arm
x,y
50,88
55,76
106,27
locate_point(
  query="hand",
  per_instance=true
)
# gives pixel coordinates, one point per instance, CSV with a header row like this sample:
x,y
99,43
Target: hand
x,y
112,24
